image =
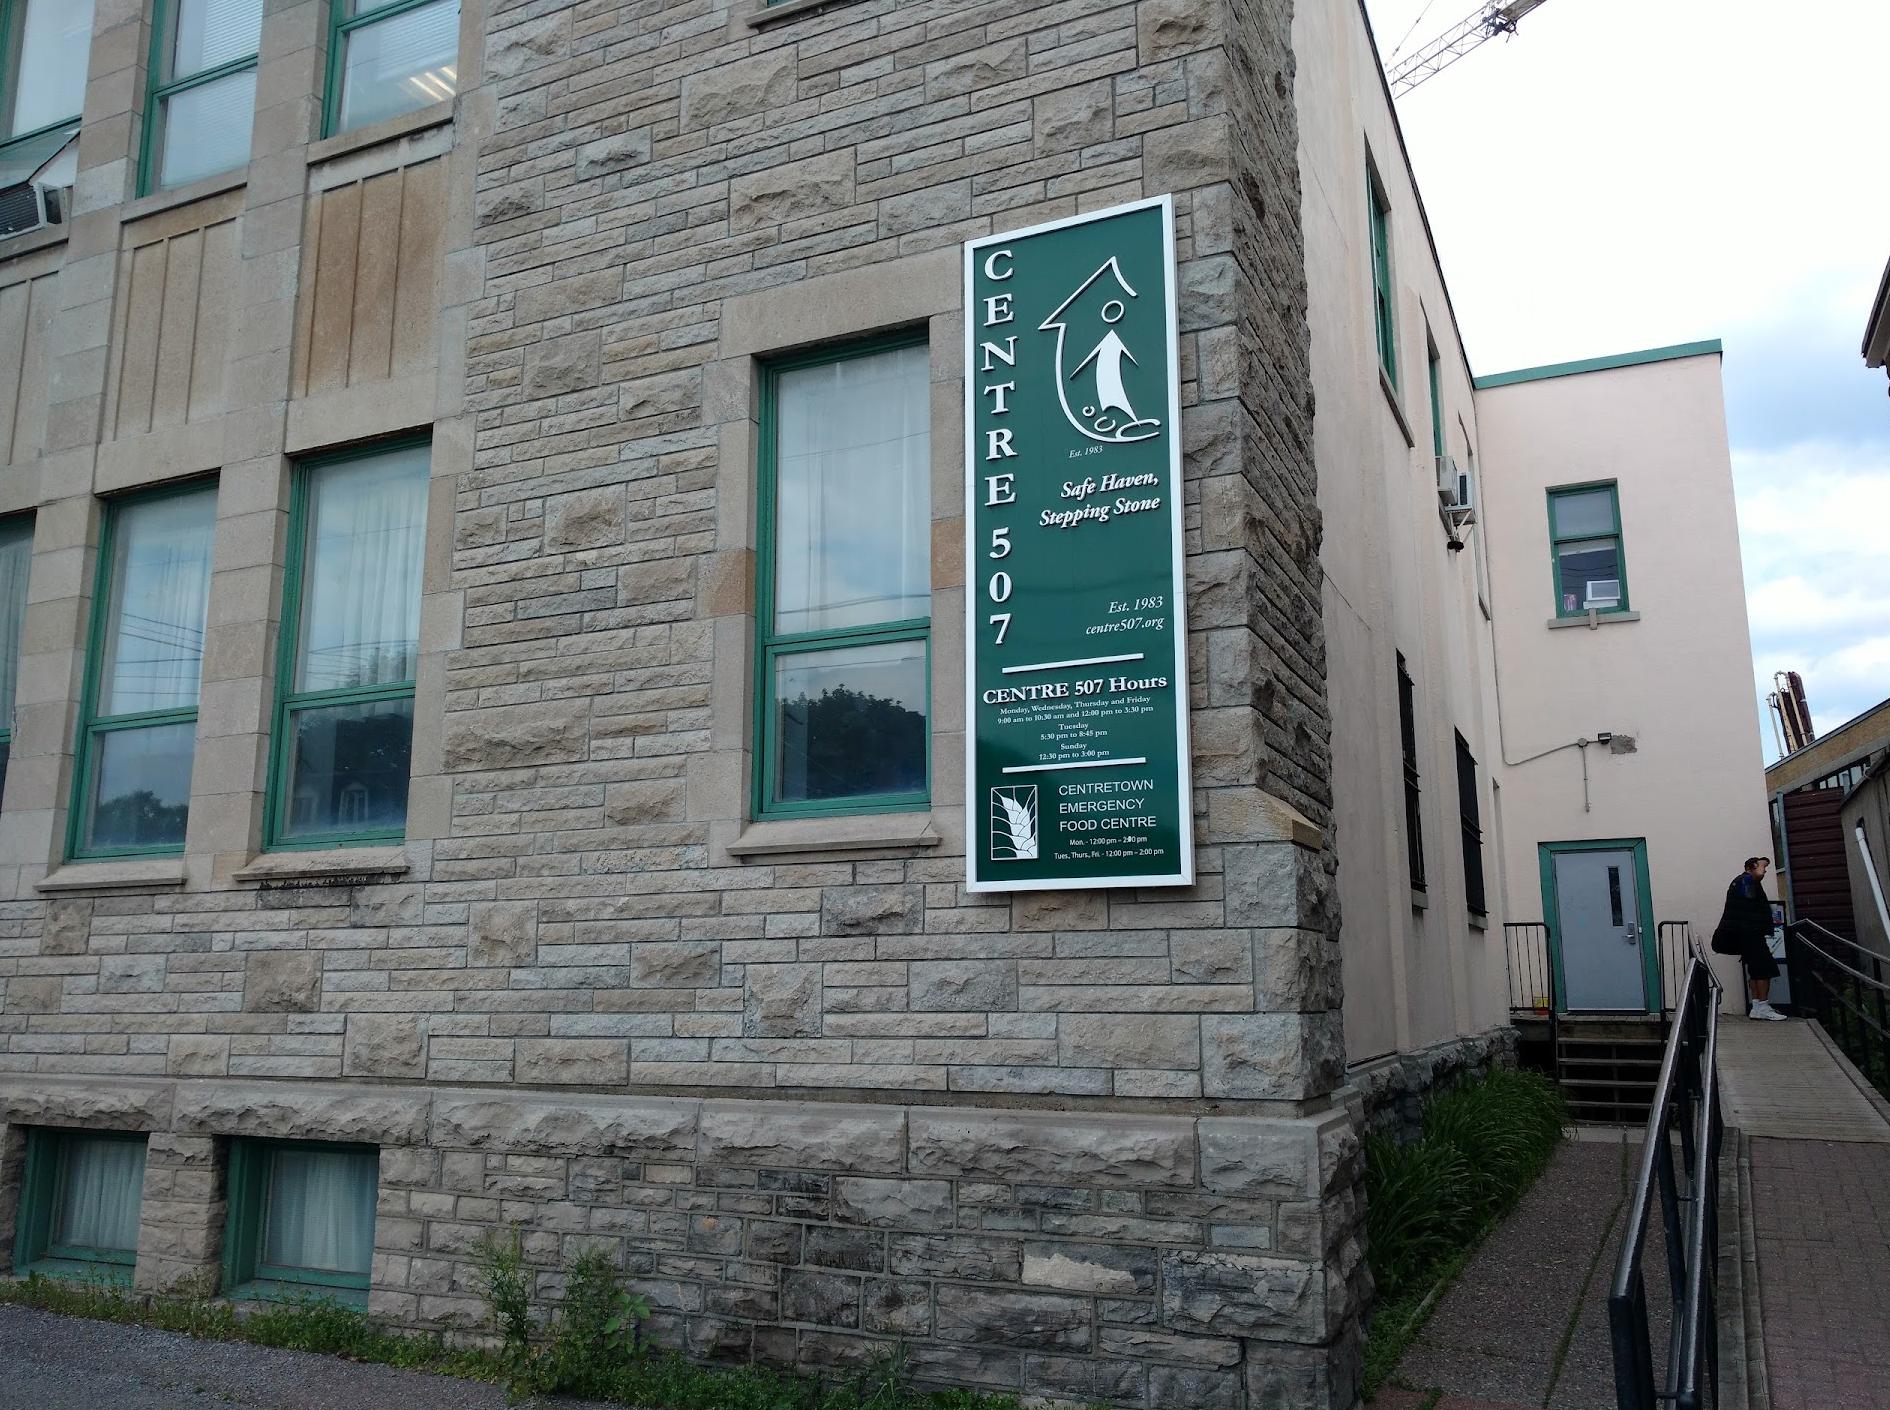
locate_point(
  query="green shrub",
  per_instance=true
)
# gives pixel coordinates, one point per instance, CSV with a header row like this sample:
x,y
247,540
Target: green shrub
x,y
1505,1127
1417,1209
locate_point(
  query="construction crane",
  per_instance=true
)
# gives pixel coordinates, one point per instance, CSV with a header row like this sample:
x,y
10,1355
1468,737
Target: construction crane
x,y
1450,46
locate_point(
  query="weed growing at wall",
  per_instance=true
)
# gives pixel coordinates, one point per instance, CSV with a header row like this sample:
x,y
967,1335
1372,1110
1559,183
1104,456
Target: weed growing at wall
x,y
1430,1202
589,1346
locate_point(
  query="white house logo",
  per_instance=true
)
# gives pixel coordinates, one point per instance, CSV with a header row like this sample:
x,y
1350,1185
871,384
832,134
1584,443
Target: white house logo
x,y
1092,312
1014,823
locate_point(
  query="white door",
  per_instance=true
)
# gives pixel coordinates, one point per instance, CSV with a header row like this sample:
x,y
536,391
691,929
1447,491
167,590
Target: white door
x,y
1598,928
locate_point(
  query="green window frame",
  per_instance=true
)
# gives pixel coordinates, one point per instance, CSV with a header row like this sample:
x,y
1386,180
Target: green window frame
x,y
1435,364
1384,304
16,562
343,26
94,727
45,1187
278,820
247,1272
13,16
774,646
166,84
1573,605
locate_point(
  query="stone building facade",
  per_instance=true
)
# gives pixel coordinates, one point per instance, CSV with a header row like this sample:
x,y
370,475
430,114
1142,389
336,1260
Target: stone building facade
x,y
815,1096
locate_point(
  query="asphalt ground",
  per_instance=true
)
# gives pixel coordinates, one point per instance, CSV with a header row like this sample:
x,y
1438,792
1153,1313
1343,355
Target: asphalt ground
x,y
49,1362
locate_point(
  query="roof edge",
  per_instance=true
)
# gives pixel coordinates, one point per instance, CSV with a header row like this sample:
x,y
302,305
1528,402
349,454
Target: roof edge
x,y
1877,330
1709,346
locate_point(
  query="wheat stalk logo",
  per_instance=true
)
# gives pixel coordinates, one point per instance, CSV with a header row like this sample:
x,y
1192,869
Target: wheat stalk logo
x,y
1014,823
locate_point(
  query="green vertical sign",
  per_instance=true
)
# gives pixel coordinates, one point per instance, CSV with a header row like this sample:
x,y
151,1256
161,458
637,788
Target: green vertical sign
x,y
1076,763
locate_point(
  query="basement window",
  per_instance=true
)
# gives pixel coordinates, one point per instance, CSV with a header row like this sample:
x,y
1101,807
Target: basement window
x,y
301,1220
79,1205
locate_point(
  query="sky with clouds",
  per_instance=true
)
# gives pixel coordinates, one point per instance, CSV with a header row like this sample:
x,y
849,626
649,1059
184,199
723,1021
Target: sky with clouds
x,y
1630,173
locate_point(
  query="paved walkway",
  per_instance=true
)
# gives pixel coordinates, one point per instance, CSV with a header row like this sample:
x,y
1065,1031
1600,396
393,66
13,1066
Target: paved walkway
x,y
1525,1327
1818,1157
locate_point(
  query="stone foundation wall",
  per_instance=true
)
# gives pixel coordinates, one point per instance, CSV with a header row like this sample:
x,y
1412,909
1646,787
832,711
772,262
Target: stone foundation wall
x,y
1393,1090
1140,1260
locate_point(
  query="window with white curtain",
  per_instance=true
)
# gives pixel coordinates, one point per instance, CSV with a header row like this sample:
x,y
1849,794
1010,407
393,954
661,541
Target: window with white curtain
x,y
351,645
45,46
845,606
16,561
389,57
80,1203
202,101
138,727
301,1216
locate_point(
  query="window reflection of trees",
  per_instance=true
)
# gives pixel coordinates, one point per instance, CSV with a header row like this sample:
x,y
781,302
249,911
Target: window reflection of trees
x,y
846,742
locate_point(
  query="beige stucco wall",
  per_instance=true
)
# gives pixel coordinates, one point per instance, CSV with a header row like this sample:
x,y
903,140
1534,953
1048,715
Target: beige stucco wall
x,y
1417,971
1678,677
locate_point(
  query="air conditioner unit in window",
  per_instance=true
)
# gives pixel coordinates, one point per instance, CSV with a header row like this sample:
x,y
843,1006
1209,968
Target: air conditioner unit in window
x,y
29,205
1601,592
1456,492
36,176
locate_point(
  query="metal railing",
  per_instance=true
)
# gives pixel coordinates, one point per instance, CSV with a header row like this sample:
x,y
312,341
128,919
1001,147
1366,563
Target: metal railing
x,y
1686,1107
1675,943
1531,982
1846,988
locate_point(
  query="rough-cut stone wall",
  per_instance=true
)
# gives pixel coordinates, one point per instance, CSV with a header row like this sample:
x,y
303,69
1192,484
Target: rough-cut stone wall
x,y
871,1106
665,192
1154,1260
1393,1090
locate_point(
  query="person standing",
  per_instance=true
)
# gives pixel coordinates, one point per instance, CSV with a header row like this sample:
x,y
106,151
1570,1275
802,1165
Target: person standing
x,y
1744,928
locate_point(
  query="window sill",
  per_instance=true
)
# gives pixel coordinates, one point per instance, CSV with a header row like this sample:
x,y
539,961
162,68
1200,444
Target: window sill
x,y
28,241
272,1290
158,201
858,832
1592,620
765,14
1479,922
326,864
134,874
80,1270
1397,412
1420,899
419,120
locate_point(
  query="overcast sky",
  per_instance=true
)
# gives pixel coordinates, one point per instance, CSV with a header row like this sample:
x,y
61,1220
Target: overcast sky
x,y
1631,173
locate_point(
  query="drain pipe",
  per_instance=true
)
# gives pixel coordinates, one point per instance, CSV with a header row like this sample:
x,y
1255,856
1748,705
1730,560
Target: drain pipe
x,y
1870,872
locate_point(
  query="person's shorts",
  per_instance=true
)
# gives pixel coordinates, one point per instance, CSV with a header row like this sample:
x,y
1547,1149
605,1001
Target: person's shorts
x,y
1756,956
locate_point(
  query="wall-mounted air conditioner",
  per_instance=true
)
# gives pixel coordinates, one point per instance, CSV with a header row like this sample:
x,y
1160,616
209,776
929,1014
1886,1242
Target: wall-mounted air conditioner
x,y
28,206
1456,492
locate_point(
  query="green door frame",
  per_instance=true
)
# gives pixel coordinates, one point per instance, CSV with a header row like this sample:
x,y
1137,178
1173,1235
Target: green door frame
x,y
1546,853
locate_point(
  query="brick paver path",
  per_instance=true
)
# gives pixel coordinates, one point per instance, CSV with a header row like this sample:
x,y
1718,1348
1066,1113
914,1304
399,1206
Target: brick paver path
x,y
1821,1217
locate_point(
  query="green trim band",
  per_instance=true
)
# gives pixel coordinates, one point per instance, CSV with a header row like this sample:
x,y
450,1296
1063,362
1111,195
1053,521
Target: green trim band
x,y
1711,346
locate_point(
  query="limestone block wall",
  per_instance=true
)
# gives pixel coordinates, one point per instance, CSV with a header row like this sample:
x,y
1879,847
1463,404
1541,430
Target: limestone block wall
x,y
813,1093
1153,1260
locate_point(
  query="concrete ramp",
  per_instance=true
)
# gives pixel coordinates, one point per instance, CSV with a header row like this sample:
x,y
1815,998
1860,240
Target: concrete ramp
x,y
1786,1081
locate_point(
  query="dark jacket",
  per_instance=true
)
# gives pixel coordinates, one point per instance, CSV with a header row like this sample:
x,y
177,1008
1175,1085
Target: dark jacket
x,y
1747,918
